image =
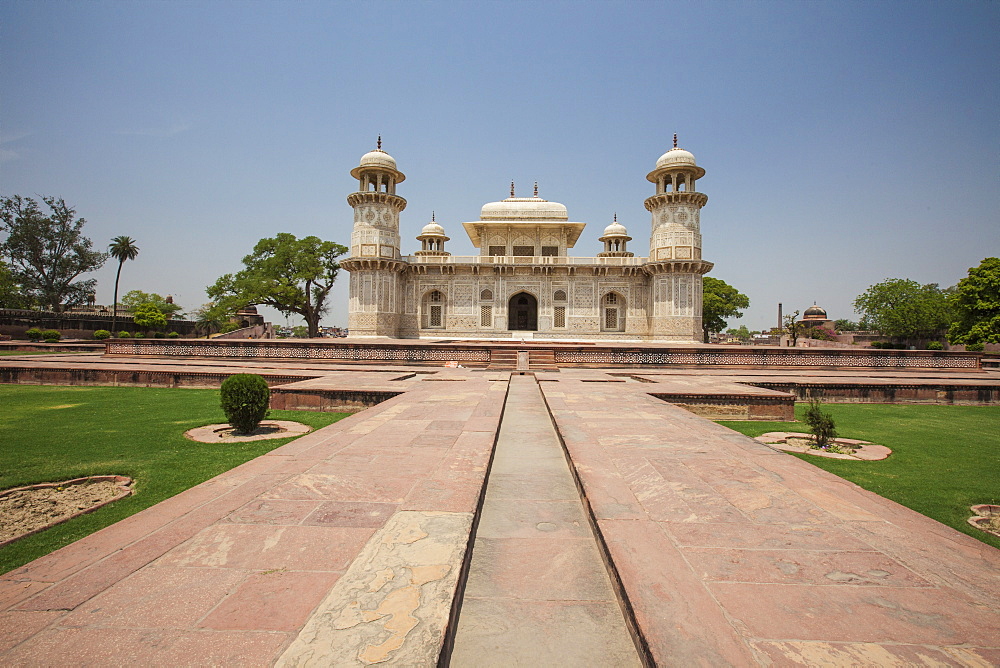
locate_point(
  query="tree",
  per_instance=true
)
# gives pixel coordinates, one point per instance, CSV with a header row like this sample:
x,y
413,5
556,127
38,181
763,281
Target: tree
x,y
845,325
148,317
976,305
133,299
121,248
792,326
721,301
289,274
903,308
47,253
11,294
210,318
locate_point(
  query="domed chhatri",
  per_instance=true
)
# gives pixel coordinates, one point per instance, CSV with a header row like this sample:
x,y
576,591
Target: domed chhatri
x,y
523,281
378,160
432,238
615,240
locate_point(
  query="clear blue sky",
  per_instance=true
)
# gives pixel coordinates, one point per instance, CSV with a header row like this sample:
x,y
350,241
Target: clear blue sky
x,y
844,142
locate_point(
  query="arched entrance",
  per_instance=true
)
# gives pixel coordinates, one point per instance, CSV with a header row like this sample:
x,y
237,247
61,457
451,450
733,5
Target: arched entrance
x,y
522,313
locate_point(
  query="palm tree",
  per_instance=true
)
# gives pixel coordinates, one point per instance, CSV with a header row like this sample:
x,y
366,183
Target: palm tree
x,y
121,248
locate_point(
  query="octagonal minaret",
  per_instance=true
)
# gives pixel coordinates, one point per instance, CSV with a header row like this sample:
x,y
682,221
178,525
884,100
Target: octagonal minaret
x,y
675,263
375,263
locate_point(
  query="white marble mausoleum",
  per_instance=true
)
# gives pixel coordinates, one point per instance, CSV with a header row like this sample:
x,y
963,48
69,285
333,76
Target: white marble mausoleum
x,y
524,283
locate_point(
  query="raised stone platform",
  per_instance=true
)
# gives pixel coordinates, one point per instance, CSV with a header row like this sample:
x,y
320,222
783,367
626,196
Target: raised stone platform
x,y
352,545
546,353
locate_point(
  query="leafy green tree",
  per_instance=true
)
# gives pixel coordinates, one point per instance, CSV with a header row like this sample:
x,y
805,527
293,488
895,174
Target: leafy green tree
x,y
289,274
903,308
11,294
742,333
121,248
845,325
976,304
47,253
147,317
721,301
133,299
210,318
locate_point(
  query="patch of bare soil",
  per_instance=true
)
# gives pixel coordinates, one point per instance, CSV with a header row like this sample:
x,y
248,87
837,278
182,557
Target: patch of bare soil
x,y
27,510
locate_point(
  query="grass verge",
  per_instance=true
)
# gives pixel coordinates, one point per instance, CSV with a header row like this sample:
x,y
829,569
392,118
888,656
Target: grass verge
x,y
52,433
944,458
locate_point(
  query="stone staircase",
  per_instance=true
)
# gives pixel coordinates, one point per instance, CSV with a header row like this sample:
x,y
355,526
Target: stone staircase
x,y
537,359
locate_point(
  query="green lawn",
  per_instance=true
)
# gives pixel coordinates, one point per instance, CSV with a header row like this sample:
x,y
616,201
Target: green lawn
x,y
56,433
944,458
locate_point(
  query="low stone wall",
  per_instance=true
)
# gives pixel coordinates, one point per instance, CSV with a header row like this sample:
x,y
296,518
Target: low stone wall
x,y
734,407
897,392
329,401
474,353
125,378
15,322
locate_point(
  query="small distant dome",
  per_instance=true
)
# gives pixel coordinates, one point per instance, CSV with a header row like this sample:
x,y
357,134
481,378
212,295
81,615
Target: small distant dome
x,y
615,229
378,158
814,312
676,157
432,229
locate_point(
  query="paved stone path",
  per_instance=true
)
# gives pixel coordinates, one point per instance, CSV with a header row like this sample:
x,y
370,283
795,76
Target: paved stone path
x,y
538,592
346,547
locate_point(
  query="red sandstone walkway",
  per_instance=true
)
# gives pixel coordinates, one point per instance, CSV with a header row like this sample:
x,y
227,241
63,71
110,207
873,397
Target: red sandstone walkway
x,y
345,547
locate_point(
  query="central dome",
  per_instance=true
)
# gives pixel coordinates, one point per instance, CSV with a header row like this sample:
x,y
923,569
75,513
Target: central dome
x,y
524,208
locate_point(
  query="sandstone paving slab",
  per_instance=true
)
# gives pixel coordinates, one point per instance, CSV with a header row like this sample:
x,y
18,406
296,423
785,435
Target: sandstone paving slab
x,y
929,616
786,566
763,536
275,600
257,546
141,647
801,653
272,511
505,632
351,514
18,625
526,519
157,598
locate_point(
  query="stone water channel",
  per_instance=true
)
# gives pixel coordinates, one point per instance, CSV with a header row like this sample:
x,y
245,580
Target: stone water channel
x,y
538,592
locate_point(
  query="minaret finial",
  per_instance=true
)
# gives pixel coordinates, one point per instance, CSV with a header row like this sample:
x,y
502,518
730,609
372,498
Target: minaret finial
x,y
616,216
675,140
432,216
536,188
379,147
511,188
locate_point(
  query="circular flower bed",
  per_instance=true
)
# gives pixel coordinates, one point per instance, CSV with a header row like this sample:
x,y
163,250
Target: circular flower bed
x,y
33,508
841,448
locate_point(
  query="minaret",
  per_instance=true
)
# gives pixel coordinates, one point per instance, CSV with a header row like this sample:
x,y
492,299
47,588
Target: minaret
x,y
375,263
675,262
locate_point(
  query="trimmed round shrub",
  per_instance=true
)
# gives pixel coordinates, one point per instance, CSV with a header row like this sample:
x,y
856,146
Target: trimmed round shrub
x,y
124,335
877,344
53,340
245,400
974,347
159,335
173,335
102,334
935,345
34,334
51,336
139,335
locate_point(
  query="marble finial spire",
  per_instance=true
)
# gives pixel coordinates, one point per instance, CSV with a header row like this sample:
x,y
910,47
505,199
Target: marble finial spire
x,y
616,216
432,216
536,188
511,188
675,140
379,144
